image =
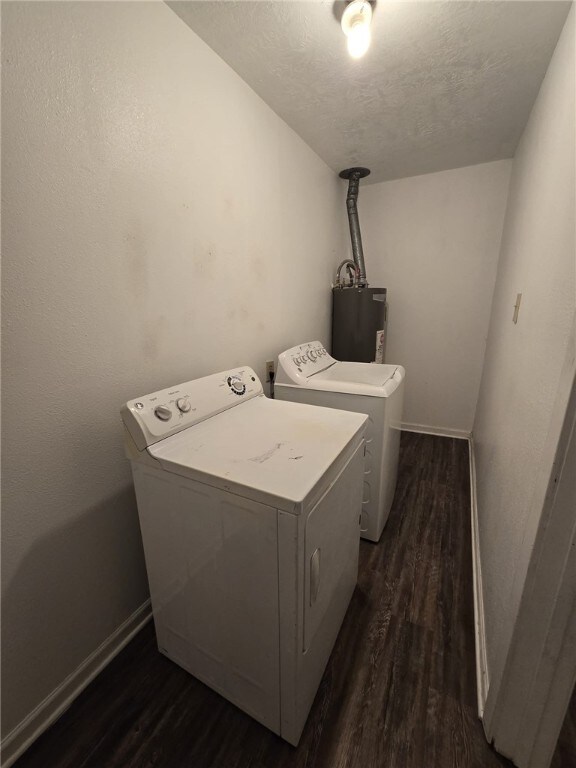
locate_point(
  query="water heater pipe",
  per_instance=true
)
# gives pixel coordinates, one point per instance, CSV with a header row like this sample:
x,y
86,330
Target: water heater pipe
x,y
352,269
354,175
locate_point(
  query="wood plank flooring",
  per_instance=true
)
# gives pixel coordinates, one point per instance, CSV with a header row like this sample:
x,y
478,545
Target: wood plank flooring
x,y
399,690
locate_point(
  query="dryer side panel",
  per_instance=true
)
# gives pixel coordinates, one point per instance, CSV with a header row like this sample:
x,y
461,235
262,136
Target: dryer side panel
x,y
211,558
324,567
332,541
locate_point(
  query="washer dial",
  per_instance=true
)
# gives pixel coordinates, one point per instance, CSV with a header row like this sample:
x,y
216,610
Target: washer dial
x,y
183,404
236,385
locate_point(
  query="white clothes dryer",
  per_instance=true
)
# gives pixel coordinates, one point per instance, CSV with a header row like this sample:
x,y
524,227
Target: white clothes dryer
x,y
249,515
308,374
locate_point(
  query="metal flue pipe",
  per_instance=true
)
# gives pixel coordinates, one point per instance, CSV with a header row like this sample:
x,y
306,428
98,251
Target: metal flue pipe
x,y
354,175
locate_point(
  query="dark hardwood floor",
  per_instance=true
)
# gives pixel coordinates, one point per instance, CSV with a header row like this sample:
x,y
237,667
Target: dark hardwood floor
x,y
399,690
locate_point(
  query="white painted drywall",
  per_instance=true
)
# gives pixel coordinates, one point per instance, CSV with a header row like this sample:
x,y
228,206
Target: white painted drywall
x,y
523,363
433,242
160,223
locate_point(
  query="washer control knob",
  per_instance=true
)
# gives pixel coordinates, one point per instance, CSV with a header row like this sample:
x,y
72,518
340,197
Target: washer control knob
x,y
312,355
236,385
183,404
163,413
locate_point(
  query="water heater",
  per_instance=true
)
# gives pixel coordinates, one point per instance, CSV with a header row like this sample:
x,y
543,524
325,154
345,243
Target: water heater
x,y
359,313
359,324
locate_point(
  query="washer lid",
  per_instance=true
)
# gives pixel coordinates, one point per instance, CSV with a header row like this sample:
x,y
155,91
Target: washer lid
x,y
268,450
371,379
309,365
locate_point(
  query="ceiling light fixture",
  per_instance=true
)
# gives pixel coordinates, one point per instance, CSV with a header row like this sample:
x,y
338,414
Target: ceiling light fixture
x,y
356,21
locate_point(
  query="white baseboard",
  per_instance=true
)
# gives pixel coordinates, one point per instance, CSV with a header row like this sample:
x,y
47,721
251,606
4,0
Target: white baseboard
x,y
49,710
482,681
439,431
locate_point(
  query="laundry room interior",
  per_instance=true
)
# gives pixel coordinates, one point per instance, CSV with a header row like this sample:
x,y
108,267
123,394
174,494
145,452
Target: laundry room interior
x,y
173,209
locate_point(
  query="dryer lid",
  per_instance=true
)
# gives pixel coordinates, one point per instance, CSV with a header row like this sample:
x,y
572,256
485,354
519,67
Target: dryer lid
x,y
272,451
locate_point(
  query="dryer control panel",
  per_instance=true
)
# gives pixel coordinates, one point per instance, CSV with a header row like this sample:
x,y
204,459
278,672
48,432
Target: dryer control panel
x,y
297,364
153,417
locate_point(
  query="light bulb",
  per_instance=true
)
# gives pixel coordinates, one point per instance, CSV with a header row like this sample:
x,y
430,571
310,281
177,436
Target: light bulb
x,y
358,40
356,26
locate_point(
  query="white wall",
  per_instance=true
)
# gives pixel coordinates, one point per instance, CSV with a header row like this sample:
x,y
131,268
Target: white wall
x,y
433,242
160,223
523,364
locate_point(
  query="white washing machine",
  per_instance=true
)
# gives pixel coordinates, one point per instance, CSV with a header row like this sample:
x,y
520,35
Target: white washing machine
x,y
308,374
249,516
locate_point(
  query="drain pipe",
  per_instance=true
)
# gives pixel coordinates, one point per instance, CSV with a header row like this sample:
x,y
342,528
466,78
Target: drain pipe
x,y
354,175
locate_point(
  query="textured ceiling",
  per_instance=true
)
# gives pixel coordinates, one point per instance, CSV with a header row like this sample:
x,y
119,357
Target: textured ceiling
x,y
443,85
